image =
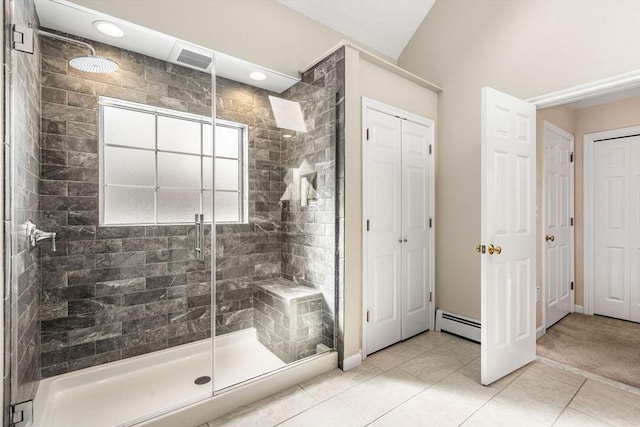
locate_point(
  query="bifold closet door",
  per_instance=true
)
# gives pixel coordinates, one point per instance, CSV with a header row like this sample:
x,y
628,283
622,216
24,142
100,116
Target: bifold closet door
x,y
617,223
397,191
383,192
415,228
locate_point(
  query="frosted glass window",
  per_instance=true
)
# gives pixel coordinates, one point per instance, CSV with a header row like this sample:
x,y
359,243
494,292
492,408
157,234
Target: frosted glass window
x,y
124,205
207,173
227,174
157,166
127,127
127,166
177,205
227,207
227,141
207,140
207,207
180,135
178,170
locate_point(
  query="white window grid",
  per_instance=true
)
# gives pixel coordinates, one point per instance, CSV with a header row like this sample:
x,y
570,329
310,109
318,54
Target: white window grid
x,y
242,159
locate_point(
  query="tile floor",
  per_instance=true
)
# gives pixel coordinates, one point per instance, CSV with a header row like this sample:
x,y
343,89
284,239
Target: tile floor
x,y
434,380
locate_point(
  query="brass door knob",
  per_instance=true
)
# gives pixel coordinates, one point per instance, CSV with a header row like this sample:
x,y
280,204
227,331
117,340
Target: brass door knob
x,y
494,250
550,238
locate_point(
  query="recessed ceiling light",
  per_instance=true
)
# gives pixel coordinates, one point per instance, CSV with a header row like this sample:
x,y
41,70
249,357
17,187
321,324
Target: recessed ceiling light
x,y
108,28
258,75
286,135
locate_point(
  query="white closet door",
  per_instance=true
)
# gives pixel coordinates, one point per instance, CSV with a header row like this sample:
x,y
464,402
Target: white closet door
x,y
383,188
617,228
612,197
558,208
415,219
634,235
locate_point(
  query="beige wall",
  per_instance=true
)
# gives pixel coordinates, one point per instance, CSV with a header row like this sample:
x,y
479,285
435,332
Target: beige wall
x,y
366,79
260,31
619,114
563,118
525,48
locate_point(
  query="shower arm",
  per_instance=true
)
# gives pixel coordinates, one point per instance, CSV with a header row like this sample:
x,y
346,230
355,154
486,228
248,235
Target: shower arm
x,y
66,39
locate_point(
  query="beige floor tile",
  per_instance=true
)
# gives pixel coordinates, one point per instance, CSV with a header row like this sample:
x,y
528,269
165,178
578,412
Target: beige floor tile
x,y
608,403
503,414
393,356
269,411
472,371
331,413
448,403
462,346
377,396
557,373
531,399
435,365
335,382
432,339
572,418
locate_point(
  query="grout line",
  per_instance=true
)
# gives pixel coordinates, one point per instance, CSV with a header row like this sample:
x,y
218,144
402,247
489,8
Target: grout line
x,y
584,381
591,376
494,396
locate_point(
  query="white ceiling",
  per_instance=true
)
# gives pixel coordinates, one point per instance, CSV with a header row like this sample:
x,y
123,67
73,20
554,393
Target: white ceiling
x,y
384,25
67,17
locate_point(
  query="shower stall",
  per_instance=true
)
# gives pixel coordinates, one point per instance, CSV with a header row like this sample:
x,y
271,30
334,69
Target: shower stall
x,y
171,227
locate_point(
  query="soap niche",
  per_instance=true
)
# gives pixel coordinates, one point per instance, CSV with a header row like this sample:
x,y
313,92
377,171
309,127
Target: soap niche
x,y
302,185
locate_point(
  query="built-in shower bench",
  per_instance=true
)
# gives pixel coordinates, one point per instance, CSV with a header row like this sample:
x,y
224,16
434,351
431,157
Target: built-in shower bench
x,y
288,317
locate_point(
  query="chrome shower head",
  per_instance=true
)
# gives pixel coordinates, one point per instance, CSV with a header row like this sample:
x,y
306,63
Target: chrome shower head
x,y
94,64
91,63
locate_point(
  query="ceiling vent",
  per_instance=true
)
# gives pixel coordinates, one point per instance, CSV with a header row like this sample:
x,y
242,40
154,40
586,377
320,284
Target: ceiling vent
x,y
191,56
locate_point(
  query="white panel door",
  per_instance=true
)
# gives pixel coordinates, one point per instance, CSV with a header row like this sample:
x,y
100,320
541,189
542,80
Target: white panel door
x,y
383,188
416,210
508,167
634,229
558,231
616,237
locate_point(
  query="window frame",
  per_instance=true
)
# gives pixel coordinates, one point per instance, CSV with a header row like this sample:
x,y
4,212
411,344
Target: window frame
x,y
243,165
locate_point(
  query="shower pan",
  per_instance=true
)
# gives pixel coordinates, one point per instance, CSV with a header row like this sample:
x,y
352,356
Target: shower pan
x,y
171,233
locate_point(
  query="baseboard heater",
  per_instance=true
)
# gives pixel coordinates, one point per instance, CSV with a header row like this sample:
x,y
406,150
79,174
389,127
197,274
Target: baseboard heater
x,y
458,325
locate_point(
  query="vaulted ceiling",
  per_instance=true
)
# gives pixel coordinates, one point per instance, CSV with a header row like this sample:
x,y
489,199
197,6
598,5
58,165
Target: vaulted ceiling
x,y
384,25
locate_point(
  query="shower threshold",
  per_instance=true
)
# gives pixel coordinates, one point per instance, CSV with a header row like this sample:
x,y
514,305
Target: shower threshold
x,y
129,390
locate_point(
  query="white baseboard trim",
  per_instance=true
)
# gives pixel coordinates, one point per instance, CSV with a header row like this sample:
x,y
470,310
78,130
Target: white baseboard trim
x,y
540,331
578,309
352,361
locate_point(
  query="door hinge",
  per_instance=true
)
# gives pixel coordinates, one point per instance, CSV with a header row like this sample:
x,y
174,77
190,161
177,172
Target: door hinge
x,y
430,149
22,414
430,222
22,38
571,285
571,157
367,316
430,296
367,134
368,225
572,222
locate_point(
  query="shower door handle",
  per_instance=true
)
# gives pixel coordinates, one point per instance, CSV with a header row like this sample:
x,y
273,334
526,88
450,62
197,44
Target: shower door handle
x,y
199,238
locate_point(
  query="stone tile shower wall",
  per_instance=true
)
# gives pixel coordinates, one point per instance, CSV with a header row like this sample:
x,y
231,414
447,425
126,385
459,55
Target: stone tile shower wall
x,y
115,292
308,232
330,74
110,293
22,303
